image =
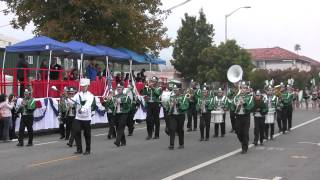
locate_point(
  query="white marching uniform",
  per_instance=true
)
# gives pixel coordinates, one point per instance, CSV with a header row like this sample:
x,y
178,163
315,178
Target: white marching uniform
x,y
271,115
83,113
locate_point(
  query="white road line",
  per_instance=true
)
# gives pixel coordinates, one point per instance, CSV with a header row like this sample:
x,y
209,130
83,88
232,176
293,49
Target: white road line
x,y
277,178
249,178
212,161
318,144
50,142
103,134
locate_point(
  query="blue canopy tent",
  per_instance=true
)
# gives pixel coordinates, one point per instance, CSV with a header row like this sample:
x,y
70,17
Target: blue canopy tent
x,y
152,59
37,45
84,49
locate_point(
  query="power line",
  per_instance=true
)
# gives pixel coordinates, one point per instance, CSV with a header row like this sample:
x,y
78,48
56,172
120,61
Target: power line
x,y
178,5
4,25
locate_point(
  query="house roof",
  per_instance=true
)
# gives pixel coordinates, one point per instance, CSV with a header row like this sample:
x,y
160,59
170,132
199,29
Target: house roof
x,y
312,61
275,53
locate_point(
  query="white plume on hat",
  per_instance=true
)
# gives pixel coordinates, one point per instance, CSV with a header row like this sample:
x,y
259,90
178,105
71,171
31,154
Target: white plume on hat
x,y
84,82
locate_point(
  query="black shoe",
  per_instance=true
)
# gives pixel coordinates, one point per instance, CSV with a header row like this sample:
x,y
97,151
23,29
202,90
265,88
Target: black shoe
x,y
86,153
20,144
255,143
207,139
271,138
123,144
130,134
215,136
171,147
201,139
68,144
67,138
29,144
261,144
189,130
117,144
62,137
194,129
222,135
78,152
156,137
243,152
148,137
181,147
232,131
109,137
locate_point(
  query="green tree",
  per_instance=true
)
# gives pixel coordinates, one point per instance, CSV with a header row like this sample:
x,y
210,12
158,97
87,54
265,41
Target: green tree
x,y
134,24
215,61
194,35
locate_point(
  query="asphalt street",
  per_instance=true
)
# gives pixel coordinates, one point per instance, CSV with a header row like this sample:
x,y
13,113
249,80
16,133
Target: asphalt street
x,y
291,156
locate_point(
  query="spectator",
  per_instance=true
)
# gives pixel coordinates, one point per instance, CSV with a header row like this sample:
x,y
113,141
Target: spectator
x,y
138,78
12,131
73,75
91,71
99,71
44,70
22,76
5,110
133,75
55,70
143,77
118,78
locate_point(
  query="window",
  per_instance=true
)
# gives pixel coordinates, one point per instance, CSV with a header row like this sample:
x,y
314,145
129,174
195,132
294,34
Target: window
x,y
260,64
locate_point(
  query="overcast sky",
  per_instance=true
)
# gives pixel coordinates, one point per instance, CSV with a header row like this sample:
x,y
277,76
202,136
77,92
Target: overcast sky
x,y
268,23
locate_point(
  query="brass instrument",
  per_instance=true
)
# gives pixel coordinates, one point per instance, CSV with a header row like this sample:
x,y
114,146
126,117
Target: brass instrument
x,y
277,90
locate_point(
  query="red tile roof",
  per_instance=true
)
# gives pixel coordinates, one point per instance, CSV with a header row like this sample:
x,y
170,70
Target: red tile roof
x,y
275,53
312,61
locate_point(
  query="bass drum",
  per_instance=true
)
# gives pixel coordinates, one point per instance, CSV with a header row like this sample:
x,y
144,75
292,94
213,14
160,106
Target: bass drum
x,y
165,97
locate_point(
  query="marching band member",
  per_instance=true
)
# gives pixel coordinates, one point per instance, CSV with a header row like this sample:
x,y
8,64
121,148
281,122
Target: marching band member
x,y
122,108
178,105
26,109
279,107
205,106
272,102
314,98
220,105
260,109
231,107
84,100
152,94
70,116
195,92
244,104
109,104
133,110
289,104
62,108
306,96
285,103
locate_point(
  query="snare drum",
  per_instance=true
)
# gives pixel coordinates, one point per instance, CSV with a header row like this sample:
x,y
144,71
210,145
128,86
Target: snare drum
x,y
270,117
217,116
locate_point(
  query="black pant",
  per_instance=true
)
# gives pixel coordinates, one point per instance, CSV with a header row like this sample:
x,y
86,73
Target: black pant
x,y
65,127
271,130
120,122
205,119
233,119
222,127
153,121
259,129
176,125
279,119
112,126
86,127
22,86
72,133
284,118
167,121
289,116
242,129
130,121
192,113
12,131
26,121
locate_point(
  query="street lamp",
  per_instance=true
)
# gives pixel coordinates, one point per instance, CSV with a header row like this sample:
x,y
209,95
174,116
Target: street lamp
x,y
226,18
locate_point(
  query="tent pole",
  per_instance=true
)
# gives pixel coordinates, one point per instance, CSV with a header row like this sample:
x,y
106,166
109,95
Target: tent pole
x,y
2,73
81,70
37,66
48,78
130,69
150,67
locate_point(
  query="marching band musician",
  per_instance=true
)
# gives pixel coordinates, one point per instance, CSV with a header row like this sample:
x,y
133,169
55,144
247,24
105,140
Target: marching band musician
x,y
122,108
178,105
26,109
220,104
260,109
279,107
109,104
289,102
272,101
285,101
231,107
133,110
84,100
62,108
243,105
70,116
152,93
205,105
195,92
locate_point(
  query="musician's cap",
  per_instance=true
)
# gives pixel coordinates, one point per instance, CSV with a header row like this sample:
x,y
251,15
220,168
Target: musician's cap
x,y
84,82
154,78
204,89
281,84
219,90
71,90
175,87
258,93
119,85
27,91
65,89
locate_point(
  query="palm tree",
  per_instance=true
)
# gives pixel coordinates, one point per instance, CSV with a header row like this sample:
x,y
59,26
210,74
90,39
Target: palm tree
x,y
297,48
